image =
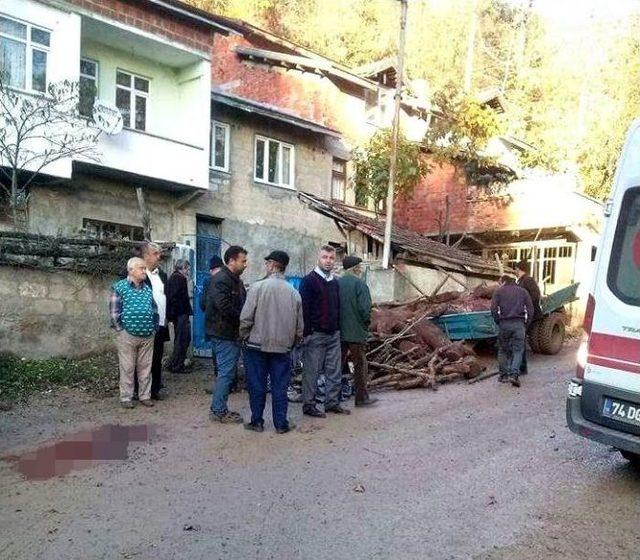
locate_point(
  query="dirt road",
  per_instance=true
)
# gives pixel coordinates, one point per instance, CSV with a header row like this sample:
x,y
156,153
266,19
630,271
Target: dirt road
x,y
481,471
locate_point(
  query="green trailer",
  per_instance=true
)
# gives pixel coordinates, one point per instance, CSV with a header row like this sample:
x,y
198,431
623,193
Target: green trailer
x,y
545,336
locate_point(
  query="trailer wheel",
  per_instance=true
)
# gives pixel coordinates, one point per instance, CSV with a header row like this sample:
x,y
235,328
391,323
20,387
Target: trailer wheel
x,y
551,334
533,335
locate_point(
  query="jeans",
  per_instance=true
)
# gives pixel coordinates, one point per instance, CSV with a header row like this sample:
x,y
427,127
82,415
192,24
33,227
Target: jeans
x,y
226,353
181,342
260,366
322,355
356,353
511,341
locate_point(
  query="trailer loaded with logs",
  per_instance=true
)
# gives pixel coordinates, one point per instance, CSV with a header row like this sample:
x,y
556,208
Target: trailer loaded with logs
x,y
429,341
545,336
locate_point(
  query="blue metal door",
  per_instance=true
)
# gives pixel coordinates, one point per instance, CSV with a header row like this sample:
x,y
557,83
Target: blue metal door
x,y
206,247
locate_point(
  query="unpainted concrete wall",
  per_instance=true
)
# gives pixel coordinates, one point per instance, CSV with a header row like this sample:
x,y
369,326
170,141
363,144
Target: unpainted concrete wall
x,y
261,217
44,314
390,285
60,209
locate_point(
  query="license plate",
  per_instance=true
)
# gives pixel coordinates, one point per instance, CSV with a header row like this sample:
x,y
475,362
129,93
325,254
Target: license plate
x,y
621,410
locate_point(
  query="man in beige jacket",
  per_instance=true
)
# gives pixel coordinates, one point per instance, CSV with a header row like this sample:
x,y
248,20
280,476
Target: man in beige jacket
x,y
270,325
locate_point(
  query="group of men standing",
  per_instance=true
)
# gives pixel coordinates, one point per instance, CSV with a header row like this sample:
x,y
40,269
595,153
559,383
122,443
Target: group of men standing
x,y
329,317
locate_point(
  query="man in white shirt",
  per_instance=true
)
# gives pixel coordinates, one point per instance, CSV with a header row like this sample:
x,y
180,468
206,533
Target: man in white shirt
x,y
157,279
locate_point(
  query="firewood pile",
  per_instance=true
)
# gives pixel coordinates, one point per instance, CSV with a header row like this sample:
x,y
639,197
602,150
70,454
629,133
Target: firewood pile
x,y
408,350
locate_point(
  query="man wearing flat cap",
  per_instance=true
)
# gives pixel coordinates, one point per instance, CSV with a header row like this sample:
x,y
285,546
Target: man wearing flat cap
x,y
355,316
270,325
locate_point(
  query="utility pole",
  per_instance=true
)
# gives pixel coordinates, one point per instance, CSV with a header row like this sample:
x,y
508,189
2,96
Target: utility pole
x,y
471,46
386,252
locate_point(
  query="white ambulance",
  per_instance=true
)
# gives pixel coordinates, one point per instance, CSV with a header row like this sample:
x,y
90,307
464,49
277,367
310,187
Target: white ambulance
x,y
604,397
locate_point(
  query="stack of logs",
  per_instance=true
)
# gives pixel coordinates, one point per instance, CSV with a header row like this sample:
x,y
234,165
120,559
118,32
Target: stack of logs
x,y
408,350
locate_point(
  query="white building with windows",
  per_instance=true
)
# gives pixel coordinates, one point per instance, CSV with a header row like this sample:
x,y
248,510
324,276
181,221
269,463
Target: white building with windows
x,y
151,62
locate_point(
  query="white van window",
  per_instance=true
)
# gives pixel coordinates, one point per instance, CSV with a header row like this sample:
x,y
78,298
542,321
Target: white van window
x,y
623,276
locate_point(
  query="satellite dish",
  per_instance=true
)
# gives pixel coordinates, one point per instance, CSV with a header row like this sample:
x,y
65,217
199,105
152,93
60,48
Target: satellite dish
x,y
107,117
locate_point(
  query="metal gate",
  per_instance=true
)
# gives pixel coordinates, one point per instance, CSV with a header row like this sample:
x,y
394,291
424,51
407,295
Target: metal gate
x,y
206,247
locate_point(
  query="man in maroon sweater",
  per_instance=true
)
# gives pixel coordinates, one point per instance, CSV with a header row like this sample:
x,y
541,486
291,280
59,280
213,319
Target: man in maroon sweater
x,y
320,295
512,309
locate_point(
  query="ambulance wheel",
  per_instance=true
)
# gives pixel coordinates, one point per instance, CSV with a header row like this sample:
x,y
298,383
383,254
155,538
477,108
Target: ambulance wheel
x,y
633,458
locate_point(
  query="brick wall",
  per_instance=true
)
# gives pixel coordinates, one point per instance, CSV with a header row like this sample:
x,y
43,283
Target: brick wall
x,y
304,94
470,208
140,14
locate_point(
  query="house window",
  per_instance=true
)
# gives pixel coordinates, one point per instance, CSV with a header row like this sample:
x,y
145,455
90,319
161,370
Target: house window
x,y
219,146
112,230
274,162
132,93
338,179
88,86
24,52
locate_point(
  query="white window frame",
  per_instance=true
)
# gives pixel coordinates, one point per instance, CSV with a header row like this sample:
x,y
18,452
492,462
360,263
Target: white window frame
x,y
133,93
95,78
339,174
227,136
30,46
292,164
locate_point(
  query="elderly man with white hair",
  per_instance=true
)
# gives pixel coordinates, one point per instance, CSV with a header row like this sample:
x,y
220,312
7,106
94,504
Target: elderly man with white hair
x,y
134,315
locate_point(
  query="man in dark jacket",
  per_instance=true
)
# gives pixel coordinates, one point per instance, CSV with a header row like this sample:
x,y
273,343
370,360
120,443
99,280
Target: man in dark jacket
x,y
320,295
355,316
179,311
225,299
523,270
215,265
512,309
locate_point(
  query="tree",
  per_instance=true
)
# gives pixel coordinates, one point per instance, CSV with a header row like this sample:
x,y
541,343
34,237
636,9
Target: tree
x,y
35,132
460,134
372,167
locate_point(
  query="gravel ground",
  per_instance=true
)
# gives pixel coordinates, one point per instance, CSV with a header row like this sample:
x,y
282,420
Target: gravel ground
x,y
482,471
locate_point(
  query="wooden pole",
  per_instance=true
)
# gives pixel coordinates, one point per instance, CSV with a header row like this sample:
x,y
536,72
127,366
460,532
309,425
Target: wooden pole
x,y
144,214
386,252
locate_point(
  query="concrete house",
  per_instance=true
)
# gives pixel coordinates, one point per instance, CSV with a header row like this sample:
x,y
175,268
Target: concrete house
x,y
152,61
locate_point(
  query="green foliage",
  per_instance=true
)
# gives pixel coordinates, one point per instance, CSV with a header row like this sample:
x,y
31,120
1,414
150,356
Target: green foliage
x,y
20,378
461,134
568,70
372,167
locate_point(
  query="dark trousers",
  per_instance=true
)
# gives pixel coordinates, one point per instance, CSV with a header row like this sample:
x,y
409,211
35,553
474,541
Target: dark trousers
x,y
181,342
156,363
523,363
356,353
277,367
511,341
322,354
